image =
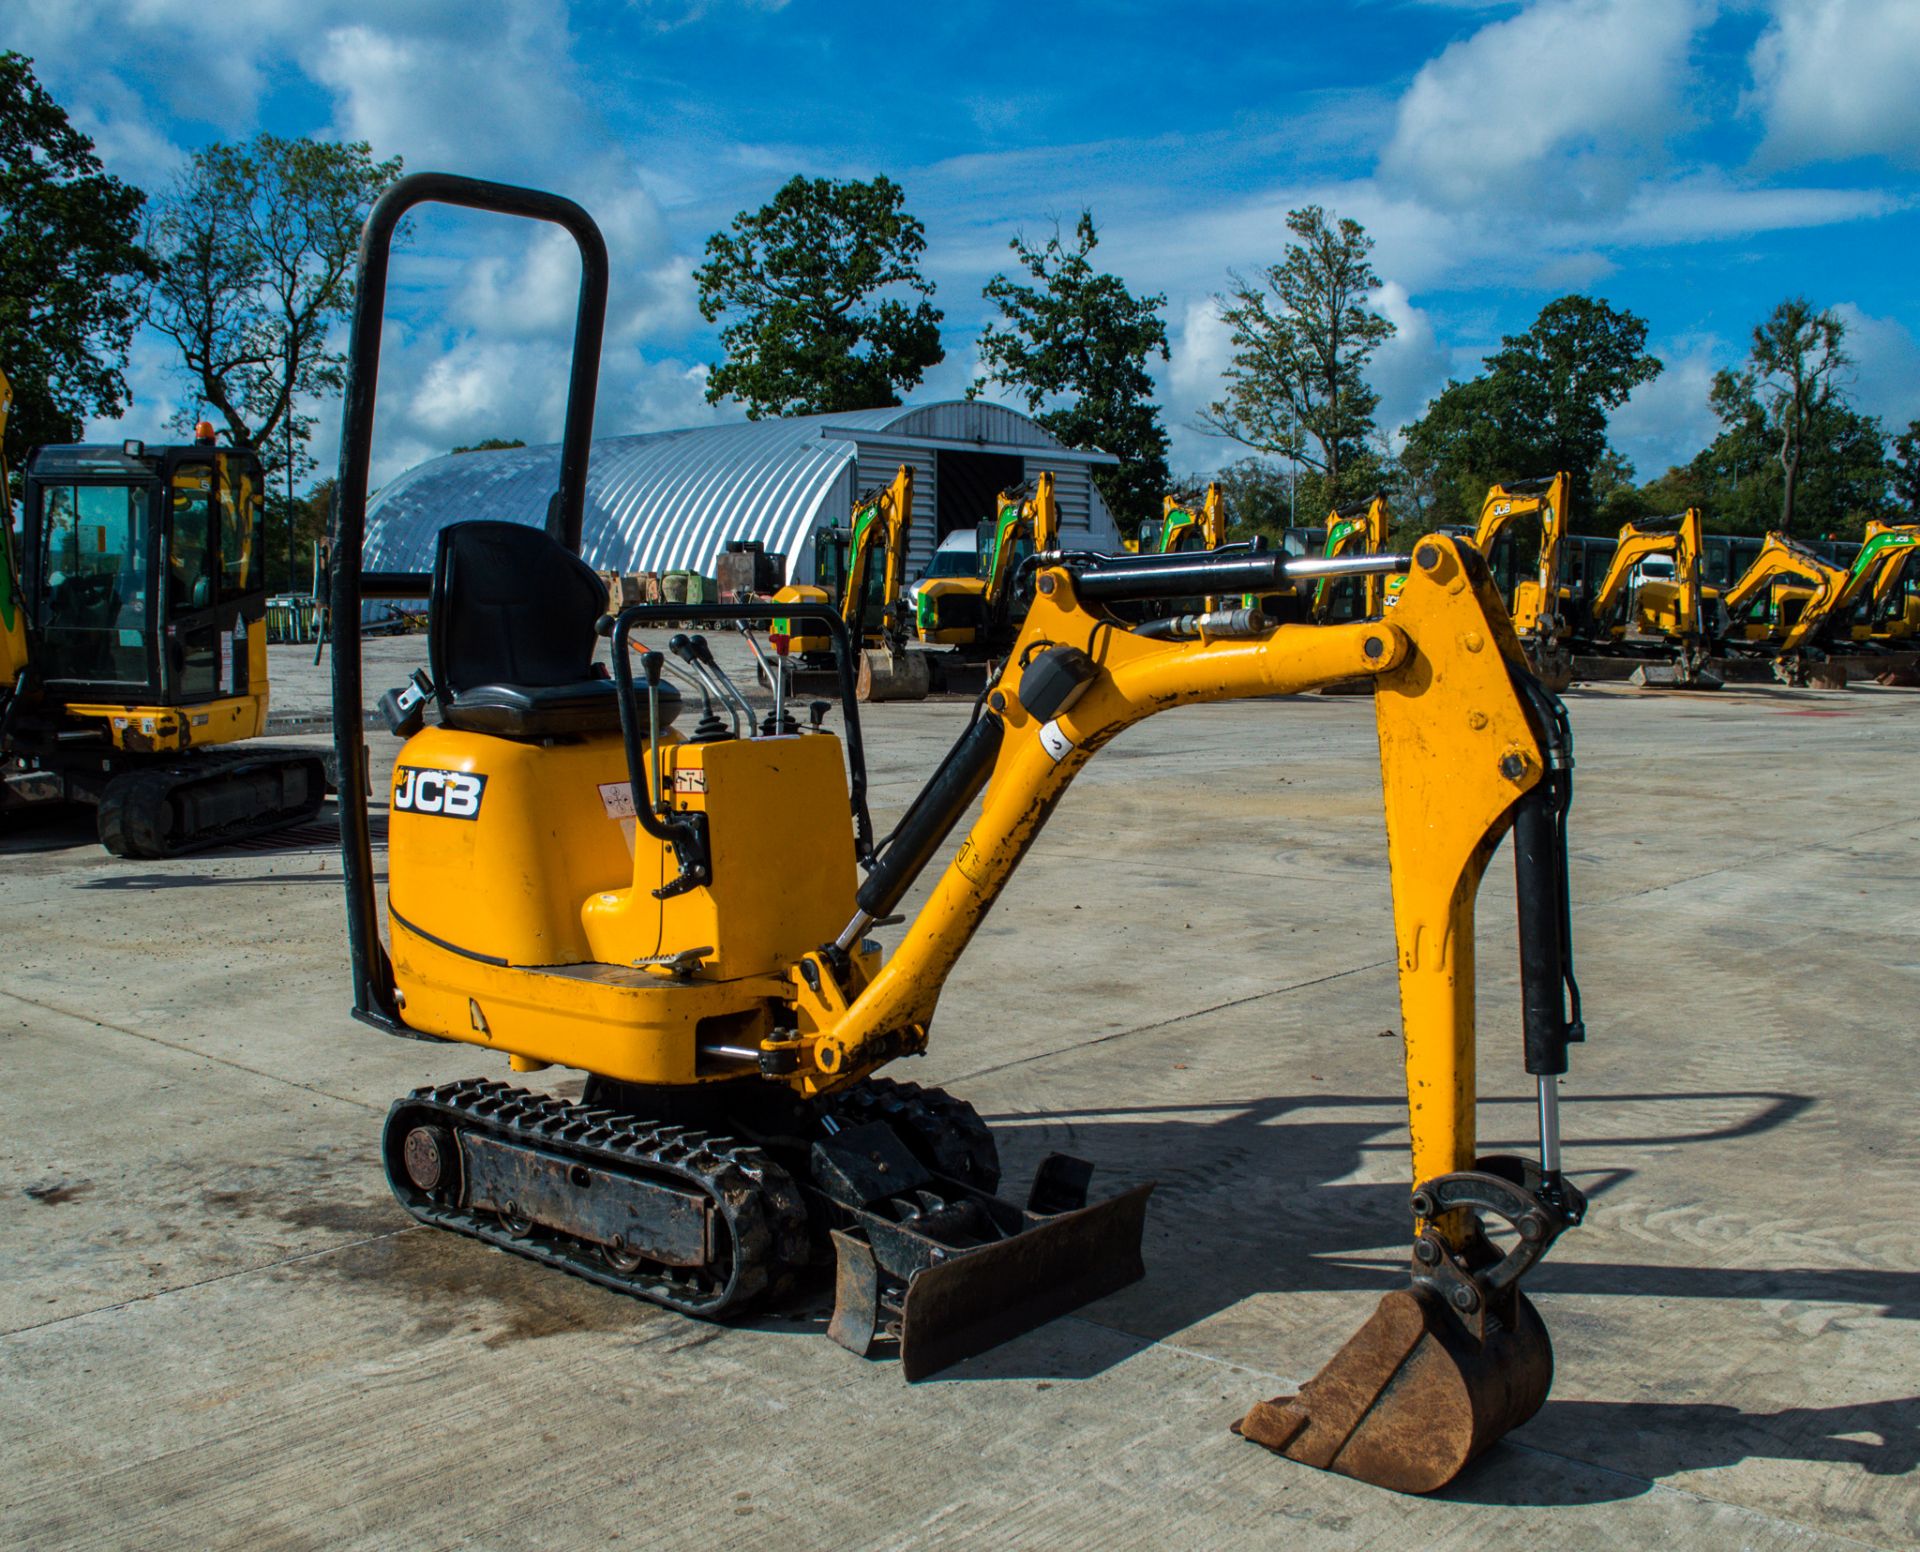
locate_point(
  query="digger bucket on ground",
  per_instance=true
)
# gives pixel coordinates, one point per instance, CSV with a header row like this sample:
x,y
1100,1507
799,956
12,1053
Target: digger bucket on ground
x,y
882,675
1413,1396
949,1272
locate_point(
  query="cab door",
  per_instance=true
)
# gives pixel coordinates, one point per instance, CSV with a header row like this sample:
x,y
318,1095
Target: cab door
x,y
215,587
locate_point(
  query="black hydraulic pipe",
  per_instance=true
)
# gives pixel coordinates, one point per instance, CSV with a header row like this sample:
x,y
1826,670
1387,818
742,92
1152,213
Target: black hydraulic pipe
x,y
373,992
1537,885
1131,578
948,793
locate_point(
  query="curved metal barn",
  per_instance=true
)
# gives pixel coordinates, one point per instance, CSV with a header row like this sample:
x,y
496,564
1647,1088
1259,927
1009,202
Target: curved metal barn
x,y
672,500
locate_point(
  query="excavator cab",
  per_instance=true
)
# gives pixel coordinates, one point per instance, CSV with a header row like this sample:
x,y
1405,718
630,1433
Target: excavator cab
x,y
145,592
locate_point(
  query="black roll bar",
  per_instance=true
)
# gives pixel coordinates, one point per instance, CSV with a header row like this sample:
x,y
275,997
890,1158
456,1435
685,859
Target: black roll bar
x,y
373,993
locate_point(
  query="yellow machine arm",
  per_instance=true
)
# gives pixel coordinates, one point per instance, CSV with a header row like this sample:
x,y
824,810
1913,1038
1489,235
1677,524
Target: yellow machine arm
x,y
1181,516
1361,529
1785,559
1467,742
1888,550
1028,512
883,519
1536,601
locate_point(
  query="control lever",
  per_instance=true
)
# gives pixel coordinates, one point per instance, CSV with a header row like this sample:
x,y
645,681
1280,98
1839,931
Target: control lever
x,y
682,646
405,709
817,714
777,722
651,664
703,654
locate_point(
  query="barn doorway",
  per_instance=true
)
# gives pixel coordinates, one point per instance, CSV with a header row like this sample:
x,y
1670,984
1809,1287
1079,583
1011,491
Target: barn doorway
x,y
966,485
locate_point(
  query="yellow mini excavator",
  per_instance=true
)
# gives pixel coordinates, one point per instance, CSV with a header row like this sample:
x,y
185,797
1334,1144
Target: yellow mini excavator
x,y
1360,529
1538,602
133,648
690,919
860,570
1876,605
976,614
1682,611
1801,592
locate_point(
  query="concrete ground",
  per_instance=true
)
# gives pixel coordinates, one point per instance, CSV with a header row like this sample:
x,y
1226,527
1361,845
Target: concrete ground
x,y
221,1331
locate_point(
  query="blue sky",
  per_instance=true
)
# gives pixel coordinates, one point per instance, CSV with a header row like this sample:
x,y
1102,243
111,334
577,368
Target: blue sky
x,y
1692,160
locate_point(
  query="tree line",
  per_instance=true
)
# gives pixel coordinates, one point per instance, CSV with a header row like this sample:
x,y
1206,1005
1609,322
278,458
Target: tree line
x,y
245,263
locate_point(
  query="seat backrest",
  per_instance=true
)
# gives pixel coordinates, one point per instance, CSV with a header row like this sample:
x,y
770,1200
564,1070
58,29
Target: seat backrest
x,y
510,606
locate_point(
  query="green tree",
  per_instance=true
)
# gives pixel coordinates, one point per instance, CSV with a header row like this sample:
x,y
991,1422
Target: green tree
x,y
256,245
1903,470
1792,376
801,280
492,445
1739,480
1302,336
1259,496
1076,352
70,261
1541,406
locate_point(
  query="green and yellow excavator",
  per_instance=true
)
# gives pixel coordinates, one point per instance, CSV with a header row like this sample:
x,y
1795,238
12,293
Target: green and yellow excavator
x,y
1359,529
1681,612
860,570
133,648
1186,522
694,921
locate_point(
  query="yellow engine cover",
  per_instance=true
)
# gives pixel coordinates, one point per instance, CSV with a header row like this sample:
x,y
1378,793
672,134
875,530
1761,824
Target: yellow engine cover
x,y
522,907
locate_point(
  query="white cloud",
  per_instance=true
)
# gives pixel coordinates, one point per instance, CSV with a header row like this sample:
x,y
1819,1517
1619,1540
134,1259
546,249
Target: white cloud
x,y
1885,379
1836,79
1668,420
1410,368
1565,106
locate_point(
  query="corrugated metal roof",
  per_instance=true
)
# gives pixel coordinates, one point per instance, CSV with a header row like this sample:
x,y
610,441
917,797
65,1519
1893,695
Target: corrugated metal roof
x,y
672,500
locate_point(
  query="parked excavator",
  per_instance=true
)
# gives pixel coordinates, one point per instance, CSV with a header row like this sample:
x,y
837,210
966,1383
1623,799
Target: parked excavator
x,y
574,880
1876,606
976,614
1538,602
1680,612
1786,631
1359,529
1186,522
860,570
133,648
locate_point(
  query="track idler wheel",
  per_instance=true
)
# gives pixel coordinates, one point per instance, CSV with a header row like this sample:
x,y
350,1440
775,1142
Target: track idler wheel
x,y
1446,1367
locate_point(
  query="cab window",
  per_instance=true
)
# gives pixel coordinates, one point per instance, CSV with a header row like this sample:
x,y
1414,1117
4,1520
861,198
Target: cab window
x,y
96,624
193,562
241,552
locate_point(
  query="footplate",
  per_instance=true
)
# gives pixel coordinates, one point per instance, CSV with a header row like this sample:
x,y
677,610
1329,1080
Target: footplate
x,y
950,1272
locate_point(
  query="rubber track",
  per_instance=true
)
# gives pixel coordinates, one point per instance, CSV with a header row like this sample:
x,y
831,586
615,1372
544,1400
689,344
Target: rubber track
x,y
946,1134
136,815
765,1218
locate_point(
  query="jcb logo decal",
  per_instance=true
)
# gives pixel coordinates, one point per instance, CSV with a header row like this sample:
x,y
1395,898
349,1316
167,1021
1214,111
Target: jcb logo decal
x,y
453,794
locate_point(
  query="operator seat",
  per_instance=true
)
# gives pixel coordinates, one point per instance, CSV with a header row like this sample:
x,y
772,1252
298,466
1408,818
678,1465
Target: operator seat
x,y
510,636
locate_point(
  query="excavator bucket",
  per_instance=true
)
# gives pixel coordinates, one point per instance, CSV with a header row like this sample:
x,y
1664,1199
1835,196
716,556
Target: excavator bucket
x,y
1414,1395
1673,676
883,675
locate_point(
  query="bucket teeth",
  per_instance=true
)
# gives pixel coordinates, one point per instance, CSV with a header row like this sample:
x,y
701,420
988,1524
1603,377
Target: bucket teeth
x,y
1413,1396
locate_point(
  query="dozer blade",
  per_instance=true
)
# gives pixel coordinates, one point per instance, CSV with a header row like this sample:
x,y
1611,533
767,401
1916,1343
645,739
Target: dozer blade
x,y
1670,676
1413,1396
974,1299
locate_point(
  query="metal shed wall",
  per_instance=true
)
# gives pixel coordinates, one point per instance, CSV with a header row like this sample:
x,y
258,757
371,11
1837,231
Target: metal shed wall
x,y
672,500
